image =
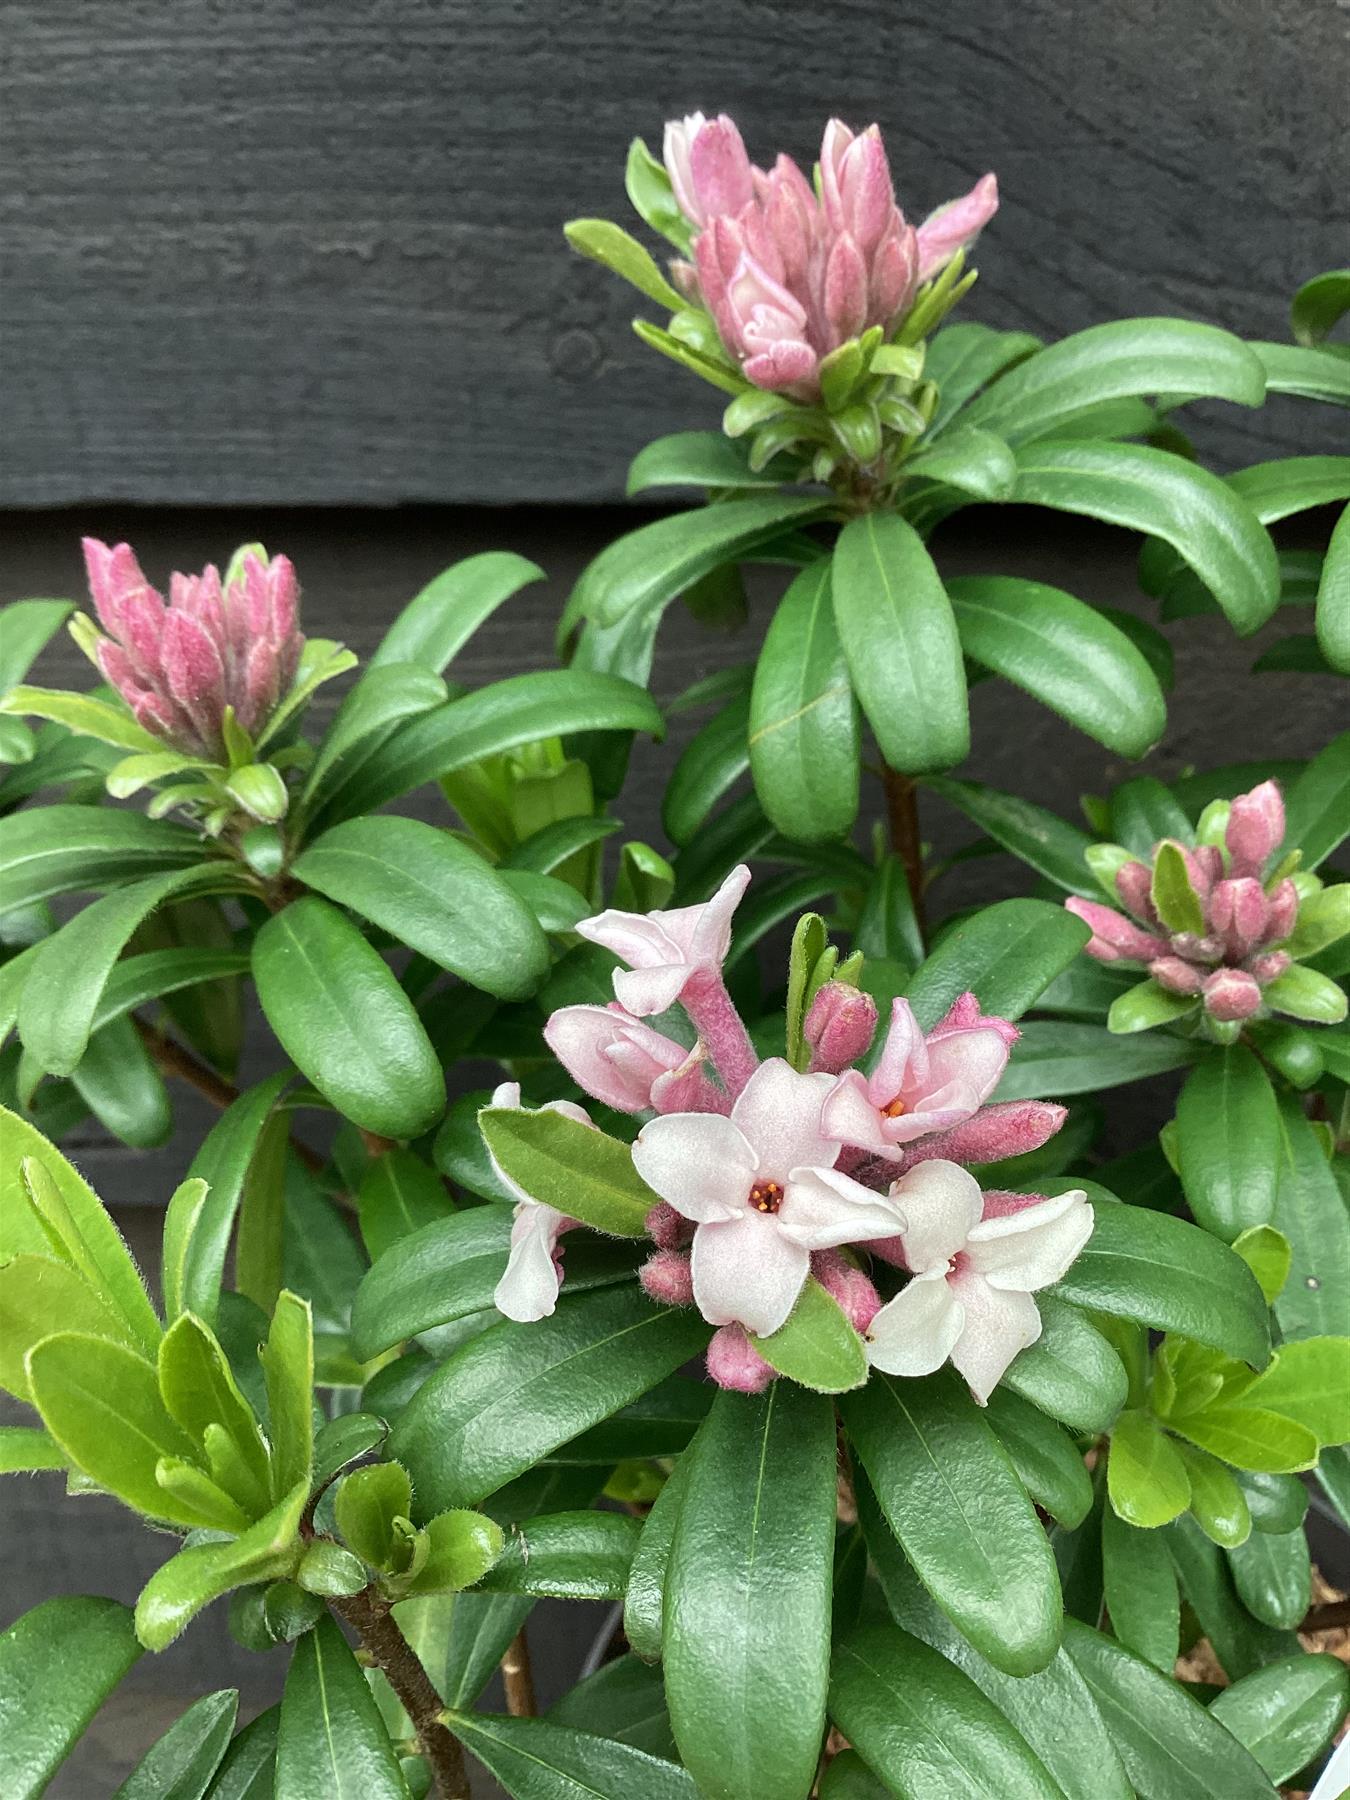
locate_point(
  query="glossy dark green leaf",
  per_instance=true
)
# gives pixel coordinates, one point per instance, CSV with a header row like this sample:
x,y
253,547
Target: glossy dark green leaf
x,y
1048,1462
447,903
344,1021
803,721
966,357
1171,1747
924,1725
1313,371
977,462
1063,653
436,623
331,1741
1228,1142
624,1700
644,1601
181,1764
58,1663
1061,1057
155,974
568,1556
509,1397
1007,954
1071,1372
1333,598
445,1270
1273,1577
712,763
706,459
1277,1503
1285,1713
535,1759
900,642
381,699
399,1194
119,1083
1312,1213
1240,1641
1317,805
249,1765
1140,1584
66,849
950,1494
1170,1275
747,1596
1040,838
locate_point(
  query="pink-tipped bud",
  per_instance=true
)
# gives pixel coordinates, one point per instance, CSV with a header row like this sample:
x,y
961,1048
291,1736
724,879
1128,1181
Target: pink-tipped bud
x,y
845,289
1009,1128
839,1027
1204,866
668,1278
733,1361
1176,975
1255,828
956,226
848,1286
1237,914
964,1014
1114,937
668,1229
613,1056
1134,884
1232,994
1270,966
720,169
1281,912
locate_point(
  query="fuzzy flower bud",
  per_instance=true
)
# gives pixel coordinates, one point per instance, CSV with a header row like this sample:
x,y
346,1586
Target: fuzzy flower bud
x,y
1232,994
839,1026
733,1362
668,1278
846,1284
1255,829
1114,937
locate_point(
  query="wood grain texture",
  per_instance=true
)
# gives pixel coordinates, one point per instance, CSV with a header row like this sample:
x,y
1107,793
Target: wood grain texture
x,y
292,252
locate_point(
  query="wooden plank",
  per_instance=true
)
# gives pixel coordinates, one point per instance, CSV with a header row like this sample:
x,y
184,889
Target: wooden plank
x,y
313,253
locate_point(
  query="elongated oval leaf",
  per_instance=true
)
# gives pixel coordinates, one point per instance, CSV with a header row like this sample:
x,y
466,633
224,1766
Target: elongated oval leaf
x,y
1071,1372
1042,840
816,1345
1139,1580
433,894
180,1764
1333,598
707,459
712,763
567,1556
68,849
58,1663
331,1740
565,1164
436,624
1059,1057
747,1596
381,698
1314,371
535,1759
1048,1462
644,1601
1318,804
344,1021
1228,1142
1285,1713
1006,955
181,1587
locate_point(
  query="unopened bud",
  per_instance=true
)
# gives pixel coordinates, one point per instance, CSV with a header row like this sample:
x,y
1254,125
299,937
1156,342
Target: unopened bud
x,y
668,1277
839,1027
1232,994
733,1361
1255,828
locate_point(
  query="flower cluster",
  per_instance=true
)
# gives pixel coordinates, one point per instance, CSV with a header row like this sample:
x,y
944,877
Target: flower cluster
x,y
789,275
767,1173
1218,922
214,646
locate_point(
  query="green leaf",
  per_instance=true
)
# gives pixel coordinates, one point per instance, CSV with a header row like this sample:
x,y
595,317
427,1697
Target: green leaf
x,y
925,1726
196,1576
1228,1142
1006,954
562,1163
26,1449
1287,1712
1333,598
707,459
952,1498
1171,1747
1146,1477
1145,1006
712,763
1214,531
1218,1504
119,1083
1314,372
1048,1463
368,1503
344,1021
39,1297
1308,1381
1305,994
1277,1503
397,1196
63,849
747,1595
1273,1577
1143,812
199,1391
461,1547
1311,1211
386,694
288,1364
1063,653
535,1759
803,720
1174,899
612,247
1249,1437
447,903
180,1764
247,1771
1317,805
444,1271
962,359
648,566
26,627
1061,1057
1071,1372
436,623
1140,1584
1111,362
1171,1276
1240,1642
84,714
65,984
331,1740
644,1599
900,641
624,1701
1318,304
513,1394
816,1346
975,461
1042,840
58,1663
568,1556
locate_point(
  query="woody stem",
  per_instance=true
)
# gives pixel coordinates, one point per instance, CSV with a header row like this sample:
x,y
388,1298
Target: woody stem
x,y
902,818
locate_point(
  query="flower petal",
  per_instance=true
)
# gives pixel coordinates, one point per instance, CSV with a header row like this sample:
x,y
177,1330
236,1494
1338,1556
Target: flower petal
x,y
914,1333
823,1208
528,1289
779,1112
967,1061
747,1271
698,1162
1029,1249
902,1056
651,990
942,1202
997,1326
850,1115
637,937
711,937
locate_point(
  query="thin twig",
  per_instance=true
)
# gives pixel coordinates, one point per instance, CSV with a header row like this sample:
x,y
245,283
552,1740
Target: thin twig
x,y
517,1678
902,818
374,1623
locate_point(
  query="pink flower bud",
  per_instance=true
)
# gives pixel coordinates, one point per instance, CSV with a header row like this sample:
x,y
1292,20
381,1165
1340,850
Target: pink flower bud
x,y
847,1285
1008,1128
855,182
1114,937
1232,994
1176,975
845,289
1204,866
1255,828
956,226
1281,912
1134,884
668,1278
612,1055
1270,966
708,167
667,1228
1237,914
733,1361
839,1026
895,274
964,1014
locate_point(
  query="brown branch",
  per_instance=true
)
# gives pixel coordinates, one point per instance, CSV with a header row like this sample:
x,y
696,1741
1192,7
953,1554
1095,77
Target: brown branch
x,y
517,1678
374,1623
1334,1616
902,818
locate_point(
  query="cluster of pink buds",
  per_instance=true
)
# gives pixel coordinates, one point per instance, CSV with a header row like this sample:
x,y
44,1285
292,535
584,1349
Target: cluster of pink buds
x,y
767,1174
1211,922
789,276
179,666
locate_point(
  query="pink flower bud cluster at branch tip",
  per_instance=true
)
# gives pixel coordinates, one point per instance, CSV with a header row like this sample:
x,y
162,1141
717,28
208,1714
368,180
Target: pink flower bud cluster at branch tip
x,y
767,1174
1214,924
179,665
788,274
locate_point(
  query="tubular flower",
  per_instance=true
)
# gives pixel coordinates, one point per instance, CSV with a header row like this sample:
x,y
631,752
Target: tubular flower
x,y
179,666
788,277
1223,922
528,1289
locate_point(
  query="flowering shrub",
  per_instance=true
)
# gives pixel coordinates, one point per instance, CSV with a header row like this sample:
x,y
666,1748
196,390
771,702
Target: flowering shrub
x,y
812,1322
